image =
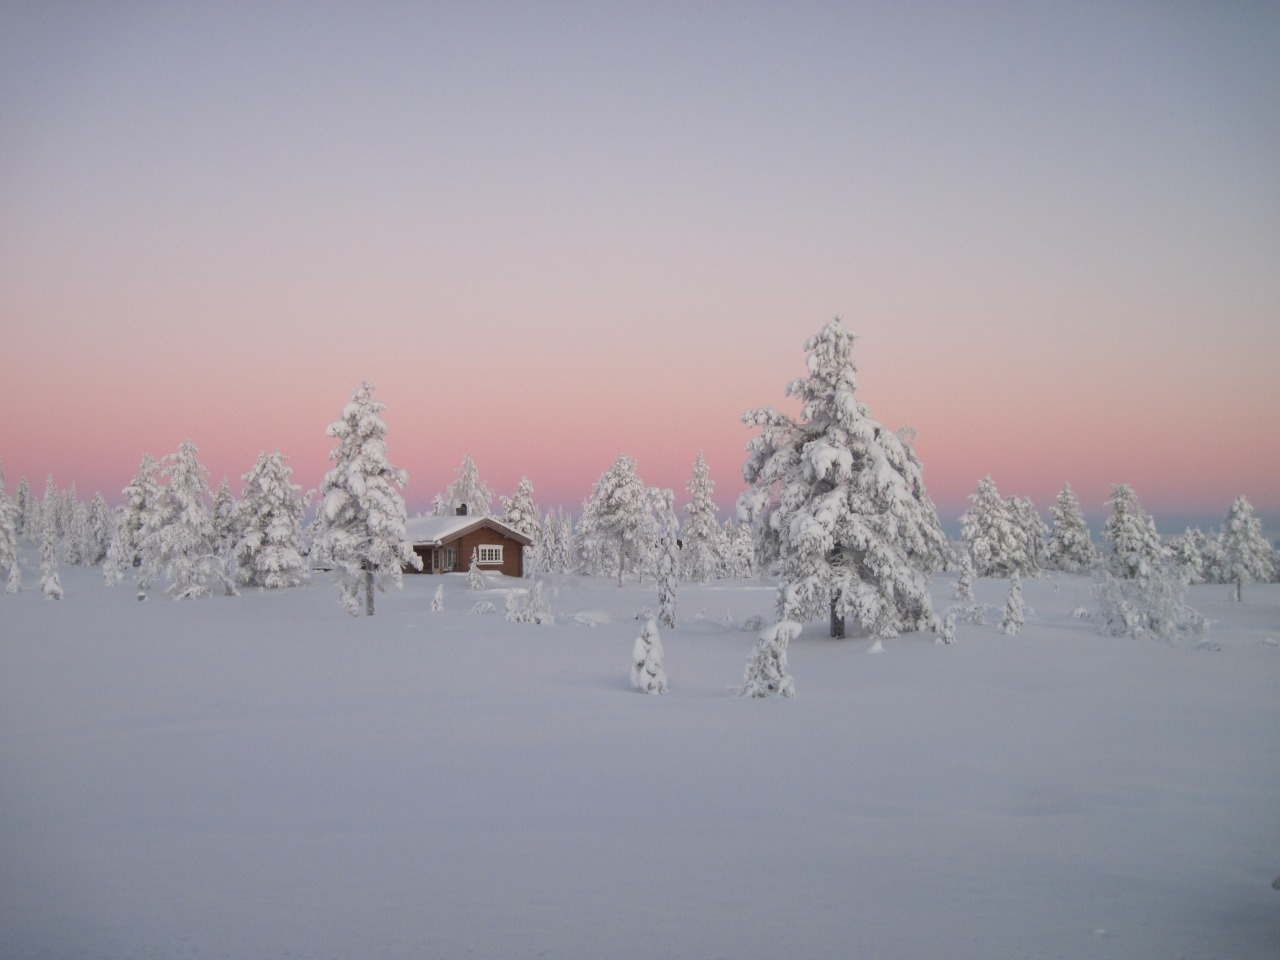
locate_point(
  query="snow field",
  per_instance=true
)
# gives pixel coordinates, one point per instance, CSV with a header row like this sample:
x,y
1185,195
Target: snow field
x,y
265,776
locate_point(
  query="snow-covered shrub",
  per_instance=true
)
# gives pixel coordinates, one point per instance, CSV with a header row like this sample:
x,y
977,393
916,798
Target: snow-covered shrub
x,y
647,674
1152,604
437,600
476,580
1012,621
530,606
483,607
766,672
947,634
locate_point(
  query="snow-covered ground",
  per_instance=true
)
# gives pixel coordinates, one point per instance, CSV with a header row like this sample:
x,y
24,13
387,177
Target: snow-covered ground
x,y
267,777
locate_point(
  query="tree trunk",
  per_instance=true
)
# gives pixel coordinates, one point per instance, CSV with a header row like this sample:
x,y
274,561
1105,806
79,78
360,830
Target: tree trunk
x,y
622,557
368,590
837,619
1239,588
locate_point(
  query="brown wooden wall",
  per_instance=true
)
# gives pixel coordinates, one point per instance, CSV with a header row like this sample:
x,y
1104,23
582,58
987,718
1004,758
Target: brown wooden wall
x,y
512,553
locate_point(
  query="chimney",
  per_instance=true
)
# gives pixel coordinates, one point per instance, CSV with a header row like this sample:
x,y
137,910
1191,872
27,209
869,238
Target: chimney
x,y
462,510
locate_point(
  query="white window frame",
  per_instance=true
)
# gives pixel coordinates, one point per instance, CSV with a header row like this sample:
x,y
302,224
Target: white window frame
x,y
489,554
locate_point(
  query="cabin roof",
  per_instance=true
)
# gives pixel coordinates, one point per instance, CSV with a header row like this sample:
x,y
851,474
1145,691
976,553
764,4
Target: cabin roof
x,y
434,531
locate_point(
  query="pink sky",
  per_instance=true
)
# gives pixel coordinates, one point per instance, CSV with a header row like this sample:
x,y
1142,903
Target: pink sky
x,y
550,236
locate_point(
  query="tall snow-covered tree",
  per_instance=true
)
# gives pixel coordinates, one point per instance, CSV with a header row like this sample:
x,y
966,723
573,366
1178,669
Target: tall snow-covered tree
x,y
268,551
701,534
1246,556
10,518
1031,534
520,512
669,531
75,520
362,514
617,523
467,489
140,497
226,522
991,533
23,501
856,532
1186,553
50,582
178,538
1130,535
98,532
735,550
964,582
1069,546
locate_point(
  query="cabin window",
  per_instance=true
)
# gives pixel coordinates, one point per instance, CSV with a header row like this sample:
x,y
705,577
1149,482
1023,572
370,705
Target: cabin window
x,y
450,559
490,554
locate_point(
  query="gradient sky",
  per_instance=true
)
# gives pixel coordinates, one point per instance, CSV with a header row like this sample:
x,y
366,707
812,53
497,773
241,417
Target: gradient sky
x,y
554,233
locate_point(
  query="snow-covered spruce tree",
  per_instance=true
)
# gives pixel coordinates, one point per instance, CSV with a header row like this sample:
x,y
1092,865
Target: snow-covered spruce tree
x,y
856,532
701,534
140,497
1185,552
521,513
1013,608
75,520
1069,546
667,558
991,533
617,523
467,489
268,551
178,538
1130,536
51,514
647,674
767,670
964,582
1031,533
1246,556
10,517
362,516
22,499
98,531
50,582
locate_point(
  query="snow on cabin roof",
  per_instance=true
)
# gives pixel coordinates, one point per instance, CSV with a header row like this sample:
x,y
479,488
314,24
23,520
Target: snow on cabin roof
x,y
438,530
